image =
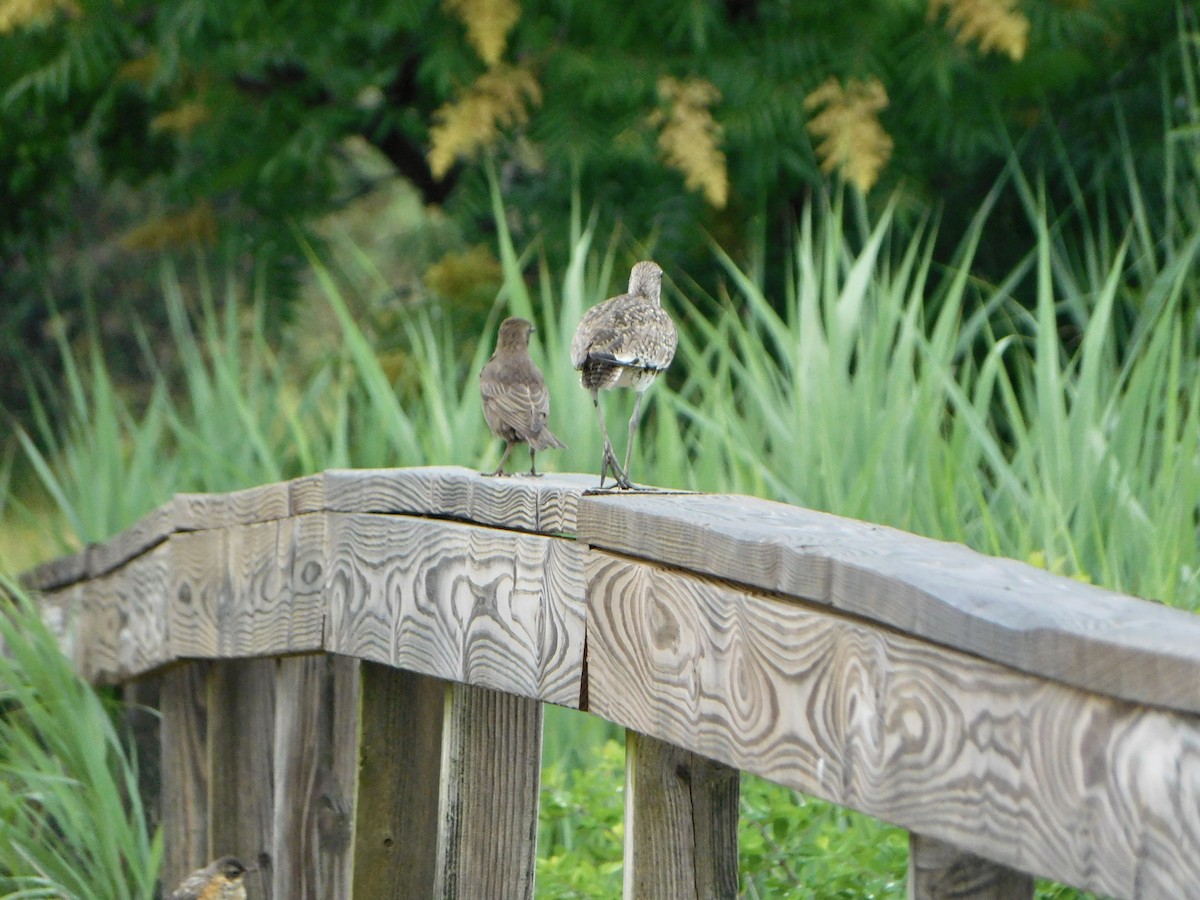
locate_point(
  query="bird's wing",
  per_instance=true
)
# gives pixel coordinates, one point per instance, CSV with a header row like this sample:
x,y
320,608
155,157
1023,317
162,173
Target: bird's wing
x,y
522,406
625,331
592,328
190,887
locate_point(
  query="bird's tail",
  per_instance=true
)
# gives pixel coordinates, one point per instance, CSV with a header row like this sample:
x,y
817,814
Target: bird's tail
x,y
545,440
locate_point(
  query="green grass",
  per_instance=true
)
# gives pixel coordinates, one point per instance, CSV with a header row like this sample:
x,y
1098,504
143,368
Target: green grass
x,y
70,813
1051,417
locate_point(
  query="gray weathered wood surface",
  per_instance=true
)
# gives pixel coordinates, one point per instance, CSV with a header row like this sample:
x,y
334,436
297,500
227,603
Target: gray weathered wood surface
x,y
681,819
186,773
490,780
400,752
1029,723
998,609
939,871
1001,764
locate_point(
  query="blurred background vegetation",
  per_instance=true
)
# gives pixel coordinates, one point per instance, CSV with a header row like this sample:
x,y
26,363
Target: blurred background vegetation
x,y
937,256
132,130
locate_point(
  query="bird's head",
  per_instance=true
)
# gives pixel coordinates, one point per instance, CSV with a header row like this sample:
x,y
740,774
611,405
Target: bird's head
x,y
514,334
645,280
231,868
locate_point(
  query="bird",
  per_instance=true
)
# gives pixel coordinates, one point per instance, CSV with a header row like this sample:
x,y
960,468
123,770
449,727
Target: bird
x,y
516,403
625,341
222,879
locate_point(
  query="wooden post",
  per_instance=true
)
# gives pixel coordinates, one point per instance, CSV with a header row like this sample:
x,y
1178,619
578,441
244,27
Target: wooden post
x,y
183,700
681,819
940,871
241,734
491,776
316,743
400,750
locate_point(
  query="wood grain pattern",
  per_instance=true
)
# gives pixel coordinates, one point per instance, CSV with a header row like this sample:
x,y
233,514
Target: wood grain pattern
x,y
58,573
681,823
998,609
939,871
241,738
306,494
396,828
148,531
198,590
198,512
490,782
63,612
544,505
125,618
314,773
482,606
1013,720
185,770
1045,778
249,590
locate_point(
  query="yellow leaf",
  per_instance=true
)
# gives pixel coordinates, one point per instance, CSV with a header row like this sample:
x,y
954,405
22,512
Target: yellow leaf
x,y
498,99
488,24
852,139
996,24
690,137
140,70
197,225
16,14
182,119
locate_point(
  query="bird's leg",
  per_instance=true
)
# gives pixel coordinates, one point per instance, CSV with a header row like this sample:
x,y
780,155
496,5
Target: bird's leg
x,y
500,468
609,459
633,424
603,431
533,472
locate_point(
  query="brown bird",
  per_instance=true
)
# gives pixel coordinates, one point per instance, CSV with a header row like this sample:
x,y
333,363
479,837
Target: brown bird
x,y
516,403
626,341
222,879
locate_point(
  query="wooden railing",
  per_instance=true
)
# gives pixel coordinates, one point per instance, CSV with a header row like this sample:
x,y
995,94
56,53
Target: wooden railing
x,y
351,669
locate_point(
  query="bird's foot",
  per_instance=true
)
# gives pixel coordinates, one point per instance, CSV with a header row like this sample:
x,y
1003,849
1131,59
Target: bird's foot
x,y
610,464
533,474
499,473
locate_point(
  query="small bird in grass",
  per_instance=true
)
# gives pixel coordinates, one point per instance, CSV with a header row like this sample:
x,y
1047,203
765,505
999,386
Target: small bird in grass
x,y
516,403
222,879
626,341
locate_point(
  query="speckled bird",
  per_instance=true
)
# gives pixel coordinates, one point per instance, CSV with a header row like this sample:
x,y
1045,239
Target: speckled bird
x,y
222,879
516,403
626,341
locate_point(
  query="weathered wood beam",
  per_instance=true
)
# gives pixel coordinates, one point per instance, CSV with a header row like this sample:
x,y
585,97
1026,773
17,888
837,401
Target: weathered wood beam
x,y
124,619
1009,717
477,605
1049,779
998,609
248,590
544,505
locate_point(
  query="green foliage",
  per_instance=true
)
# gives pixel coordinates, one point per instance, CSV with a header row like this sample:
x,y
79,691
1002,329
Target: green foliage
x,y
1067,435
983,428
70,813
581,830
276,87
792,846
